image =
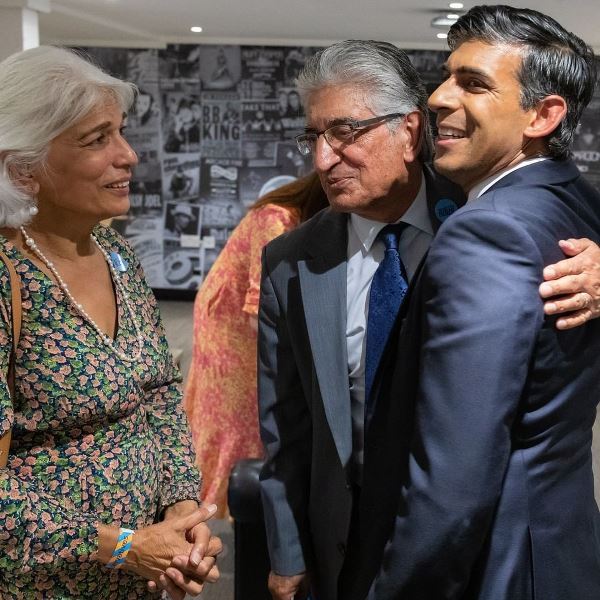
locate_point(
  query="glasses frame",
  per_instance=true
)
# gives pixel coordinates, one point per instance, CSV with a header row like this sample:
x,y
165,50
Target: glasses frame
x,y
307,141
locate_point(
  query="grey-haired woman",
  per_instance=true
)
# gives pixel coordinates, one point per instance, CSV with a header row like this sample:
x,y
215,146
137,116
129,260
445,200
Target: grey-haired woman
x,y
100,494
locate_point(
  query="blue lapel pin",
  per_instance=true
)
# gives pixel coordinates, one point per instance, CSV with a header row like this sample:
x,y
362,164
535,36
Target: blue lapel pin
x,y
118,262
444,208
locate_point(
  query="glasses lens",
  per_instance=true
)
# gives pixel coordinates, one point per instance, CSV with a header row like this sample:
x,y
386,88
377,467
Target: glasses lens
x,y
339,134
305,143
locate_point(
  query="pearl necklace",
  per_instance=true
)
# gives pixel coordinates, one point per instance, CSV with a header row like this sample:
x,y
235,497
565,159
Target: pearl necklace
x,y
30,242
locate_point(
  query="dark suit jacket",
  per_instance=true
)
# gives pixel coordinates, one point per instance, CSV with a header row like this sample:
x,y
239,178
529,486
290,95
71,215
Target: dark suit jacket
x,y
304,396
478,469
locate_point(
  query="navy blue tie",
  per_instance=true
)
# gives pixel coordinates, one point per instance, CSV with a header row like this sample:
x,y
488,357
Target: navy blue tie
x,y
388,288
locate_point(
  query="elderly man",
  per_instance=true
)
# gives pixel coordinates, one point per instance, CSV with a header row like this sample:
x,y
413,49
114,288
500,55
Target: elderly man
x,y
323,324
478,472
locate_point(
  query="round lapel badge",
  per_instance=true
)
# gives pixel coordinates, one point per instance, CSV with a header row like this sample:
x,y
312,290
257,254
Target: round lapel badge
x,y
444,208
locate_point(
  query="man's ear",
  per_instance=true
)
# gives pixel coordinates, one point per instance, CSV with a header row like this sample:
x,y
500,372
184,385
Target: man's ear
x,y
546,117
413,127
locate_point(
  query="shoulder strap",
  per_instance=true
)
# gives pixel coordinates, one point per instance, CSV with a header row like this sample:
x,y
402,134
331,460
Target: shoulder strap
x,y
15,299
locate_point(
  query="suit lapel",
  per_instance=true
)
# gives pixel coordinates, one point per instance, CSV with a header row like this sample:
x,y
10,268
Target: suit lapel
x,y
323,287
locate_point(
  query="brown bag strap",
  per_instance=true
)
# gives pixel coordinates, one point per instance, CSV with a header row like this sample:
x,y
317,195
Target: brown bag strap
x,y
15,300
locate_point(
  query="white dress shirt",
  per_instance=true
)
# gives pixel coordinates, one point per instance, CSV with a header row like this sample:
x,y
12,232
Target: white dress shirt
x,y
365,253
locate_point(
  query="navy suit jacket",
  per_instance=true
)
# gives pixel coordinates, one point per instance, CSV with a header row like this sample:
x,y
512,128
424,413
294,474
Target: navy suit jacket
x,y
304,396
478,470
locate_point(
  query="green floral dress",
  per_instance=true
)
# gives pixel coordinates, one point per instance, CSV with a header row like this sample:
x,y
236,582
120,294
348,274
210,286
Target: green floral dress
x,y
95,439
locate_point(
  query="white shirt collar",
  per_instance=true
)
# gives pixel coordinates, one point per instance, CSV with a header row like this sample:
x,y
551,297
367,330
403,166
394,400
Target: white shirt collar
x,y
486,184
417,215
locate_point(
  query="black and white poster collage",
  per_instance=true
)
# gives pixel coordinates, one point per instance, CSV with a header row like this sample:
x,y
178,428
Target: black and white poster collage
x,y
214,127
586,145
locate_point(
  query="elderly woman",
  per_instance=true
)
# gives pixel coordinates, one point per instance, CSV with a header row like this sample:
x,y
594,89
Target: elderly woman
x,y
100,459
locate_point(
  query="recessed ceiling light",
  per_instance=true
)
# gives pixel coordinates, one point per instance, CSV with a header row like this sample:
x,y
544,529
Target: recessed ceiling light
x,y
443,22
453,16
456,5
196,29
442,36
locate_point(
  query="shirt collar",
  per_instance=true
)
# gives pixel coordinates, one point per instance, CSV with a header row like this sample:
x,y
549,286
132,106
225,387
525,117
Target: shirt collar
x,y
486,184
417,215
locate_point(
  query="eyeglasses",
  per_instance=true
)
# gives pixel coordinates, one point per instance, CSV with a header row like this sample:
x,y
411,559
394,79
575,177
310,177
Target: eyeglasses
x,y
339,135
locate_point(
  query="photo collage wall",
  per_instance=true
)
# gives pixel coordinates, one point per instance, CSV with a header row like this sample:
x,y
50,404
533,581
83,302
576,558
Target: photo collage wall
x,y
214,127
586,145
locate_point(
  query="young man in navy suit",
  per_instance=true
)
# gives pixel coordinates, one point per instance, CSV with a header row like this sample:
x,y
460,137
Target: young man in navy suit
x,y
478,470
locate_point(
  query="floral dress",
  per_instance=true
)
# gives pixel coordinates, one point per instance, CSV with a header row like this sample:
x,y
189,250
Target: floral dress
x,y
96,439
220,394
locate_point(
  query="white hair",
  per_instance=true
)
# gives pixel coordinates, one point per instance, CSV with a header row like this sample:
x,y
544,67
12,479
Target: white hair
x,y
379,69
43,92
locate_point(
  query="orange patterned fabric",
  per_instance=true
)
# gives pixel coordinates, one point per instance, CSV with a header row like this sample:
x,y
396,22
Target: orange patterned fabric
x,y
220,394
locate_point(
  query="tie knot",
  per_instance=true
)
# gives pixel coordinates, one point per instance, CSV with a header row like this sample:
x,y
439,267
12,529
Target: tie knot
x,y
390,235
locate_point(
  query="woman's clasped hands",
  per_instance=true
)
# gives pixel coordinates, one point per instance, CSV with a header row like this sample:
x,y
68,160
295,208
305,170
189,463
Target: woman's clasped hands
x,y
179,554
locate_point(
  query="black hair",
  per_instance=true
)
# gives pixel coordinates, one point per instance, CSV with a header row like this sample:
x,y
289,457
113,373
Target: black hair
x,y
555,61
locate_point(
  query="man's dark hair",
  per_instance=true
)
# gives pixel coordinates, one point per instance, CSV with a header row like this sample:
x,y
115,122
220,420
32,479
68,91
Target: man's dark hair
x,y
555,61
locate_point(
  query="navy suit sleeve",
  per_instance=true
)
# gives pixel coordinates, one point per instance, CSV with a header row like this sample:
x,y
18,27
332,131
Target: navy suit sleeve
x,y
286,433
481,314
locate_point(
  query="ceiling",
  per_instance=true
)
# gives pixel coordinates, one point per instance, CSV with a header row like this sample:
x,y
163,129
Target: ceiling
x,y
154,23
